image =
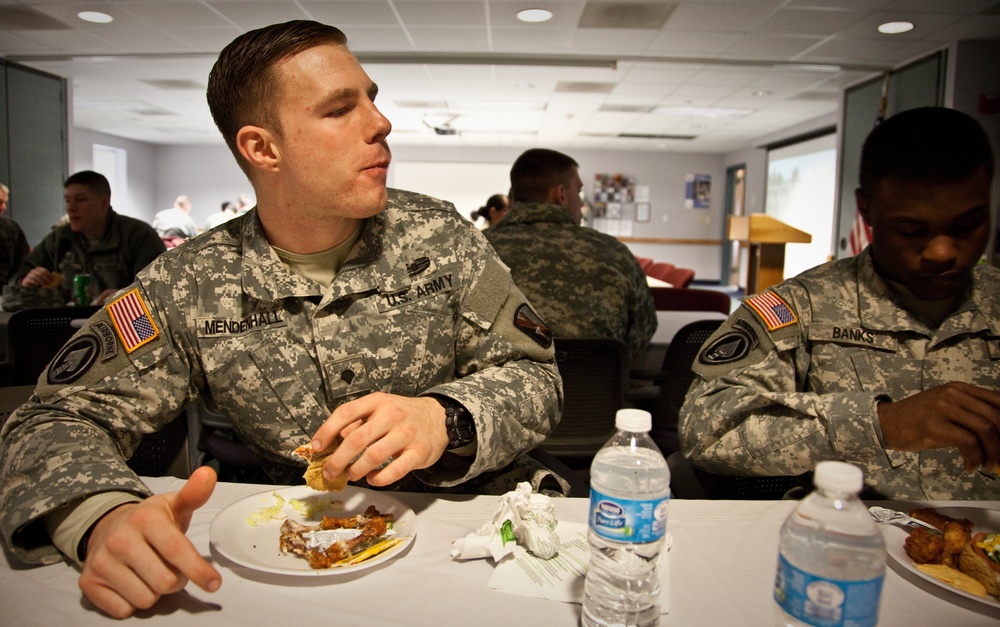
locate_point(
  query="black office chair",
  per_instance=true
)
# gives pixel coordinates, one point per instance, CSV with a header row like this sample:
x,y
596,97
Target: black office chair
x,y
34,336
213,436
164,452
674,379
689,482
595,386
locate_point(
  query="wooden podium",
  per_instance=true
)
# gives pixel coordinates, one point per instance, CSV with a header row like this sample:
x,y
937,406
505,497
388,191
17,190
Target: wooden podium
x,y
767,238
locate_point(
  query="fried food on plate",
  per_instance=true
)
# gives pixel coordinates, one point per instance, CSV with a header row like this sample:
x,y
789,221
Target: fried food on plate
x,y
981,560
924,547
956,556
933,517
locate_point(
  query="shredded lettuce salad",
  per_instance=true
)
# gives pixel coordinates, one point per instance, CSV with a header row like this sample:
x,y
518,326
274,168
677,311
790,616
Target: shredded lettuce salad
x,y
310,508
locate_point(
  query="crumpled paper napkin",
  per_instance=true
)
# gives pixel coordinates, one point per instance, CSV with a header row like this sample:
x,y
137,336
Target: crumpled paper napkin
x,y
522,517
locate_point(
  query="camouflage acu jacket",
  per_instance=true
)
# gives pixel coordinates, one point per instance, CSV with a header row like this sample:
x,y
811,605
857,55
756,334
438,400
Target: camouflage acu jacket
x,y
421,305
13,248
584,283
793,376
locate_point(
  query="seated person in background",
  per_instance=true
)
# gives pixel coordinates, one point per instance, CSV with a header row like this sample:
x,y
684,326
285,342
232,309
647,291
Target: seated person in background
x,y
334,309
583,283
111,248
493,211
13,244
176,221
889,360
225,213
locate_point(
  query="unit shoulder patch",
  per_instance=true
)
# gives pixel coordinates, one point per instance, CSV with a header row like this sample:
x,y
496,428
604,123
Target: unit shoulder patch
x,y
74,359
729,347
531,325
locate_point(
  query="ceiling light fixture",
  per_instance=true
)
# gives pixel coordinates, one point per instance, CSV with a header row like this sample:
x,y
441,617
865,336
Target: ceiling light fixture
x,y
95,17
894,28
762,93
534,15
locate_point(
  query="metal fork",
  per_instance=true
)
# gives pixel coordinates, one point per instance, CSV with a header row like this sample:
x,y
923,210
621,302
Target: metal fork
x,y
891,516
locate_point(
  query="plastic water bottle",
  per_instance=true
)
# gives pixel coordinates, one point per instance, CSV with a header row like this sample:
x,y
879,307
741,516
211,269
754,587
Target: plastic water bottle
x,y
629,496
831,557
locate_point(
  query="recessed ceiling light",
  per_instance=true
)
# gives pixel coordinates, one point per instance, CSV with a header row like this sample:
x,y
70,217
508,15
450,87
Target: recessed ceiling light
x,y
534,15
762,93
95,17
894,28
524,85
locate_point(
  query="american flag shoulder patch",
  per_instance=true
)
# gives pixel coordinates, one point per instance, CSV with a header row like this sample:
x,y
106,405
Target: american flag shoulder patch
x,y
132,321
774,311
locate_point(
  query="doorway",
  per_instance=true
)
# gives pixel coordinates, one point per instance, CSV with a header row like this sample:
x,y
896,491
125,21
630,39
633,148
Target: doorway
x,y
732,252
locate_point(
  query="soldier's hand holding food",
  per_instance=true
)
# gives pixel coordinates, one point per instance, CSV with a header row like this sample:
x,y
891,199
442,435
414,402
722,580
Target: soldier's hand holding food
x,y
41,277
955,414
407,432
138,551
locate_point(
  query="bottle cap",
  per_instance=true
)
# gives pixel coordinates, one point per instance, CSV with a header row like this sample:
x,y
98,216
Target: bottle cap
x,y
838,476
634,420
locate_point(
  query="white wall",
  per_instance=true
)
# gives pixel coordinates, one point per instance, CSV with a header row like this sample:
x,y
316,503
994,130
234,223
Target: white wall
x,y
208,175
139,201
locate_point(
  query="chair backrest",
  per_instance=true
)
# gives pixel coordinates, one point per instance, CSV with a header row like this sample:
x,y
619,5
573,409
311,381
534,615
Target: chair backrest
x,y
678,277
677,377
689,482
595,376
644,262
34,336
660,270
690,299
164,452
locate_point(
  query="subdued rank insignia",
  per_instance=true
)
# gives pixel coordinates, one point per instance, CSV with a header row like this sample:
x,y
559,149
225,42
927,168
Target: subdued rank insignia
x,y
529,322
73,360
772,310
417,266
731,346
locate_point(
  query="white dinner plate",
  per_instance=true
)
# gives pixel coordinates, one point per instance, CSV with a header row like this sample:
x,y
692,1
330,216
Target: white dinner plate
x,y
256,547
987,520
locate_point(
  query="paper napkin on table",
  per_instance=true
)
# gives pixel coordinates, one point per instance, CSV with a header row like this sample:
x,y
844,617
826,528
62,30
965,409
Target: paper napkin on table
x,y
522,518
561,578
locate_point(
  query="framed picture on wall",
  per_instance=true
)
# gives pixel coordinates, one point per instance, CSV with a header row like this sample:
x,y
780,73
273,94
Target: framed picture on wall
x,y
642,212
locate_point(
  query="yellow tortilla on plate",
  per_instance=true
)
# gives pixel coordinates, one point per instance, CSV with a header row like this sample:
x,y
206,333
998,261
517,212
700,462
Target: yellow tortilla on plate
x,y
953,577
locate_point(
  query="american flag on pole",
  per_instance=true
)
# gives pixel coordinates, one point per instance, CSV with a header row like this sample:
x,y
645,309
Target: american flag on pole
x,y
861,234
132,321
773,311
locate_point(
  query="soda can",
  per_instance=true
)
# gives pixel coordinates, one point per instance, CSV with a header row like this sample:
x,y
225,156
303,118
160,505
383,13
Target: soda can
x,y
81,289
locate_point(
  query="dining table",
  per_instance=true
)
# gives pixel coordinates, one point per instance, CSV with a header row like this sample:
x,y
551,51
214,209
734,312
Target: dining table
x,y
721,563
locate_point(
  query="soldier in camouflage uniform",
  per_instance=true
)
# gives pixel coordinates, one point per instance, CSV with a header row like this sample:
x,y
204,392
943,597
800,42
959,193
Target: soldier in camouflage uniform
x,y
387,309
111,248
583,282
13,244
889,360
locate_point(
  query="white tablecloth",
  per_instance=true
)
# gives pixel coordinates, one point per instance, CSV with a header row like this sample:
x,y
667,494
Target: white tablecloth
x,y
722,571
